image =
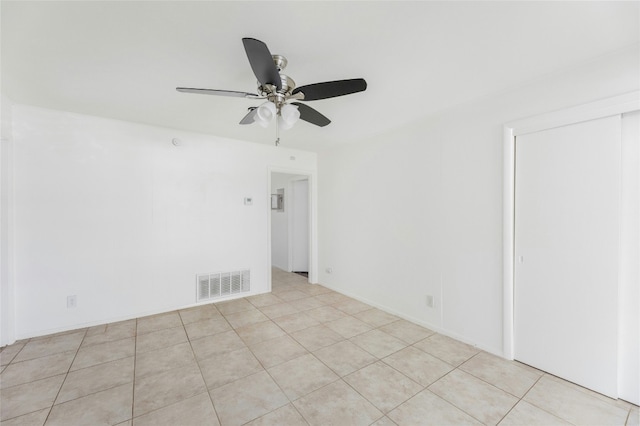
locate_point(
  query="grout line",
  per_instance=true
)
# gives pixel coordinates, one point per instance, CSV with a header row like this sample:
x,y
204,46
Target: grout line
x,y
195,357
135,363
65,377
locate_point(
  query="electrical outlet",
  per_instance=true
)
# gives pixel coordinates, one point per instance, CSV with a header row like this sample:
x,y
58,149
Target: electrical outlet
x,y
430,303
328,270
72,301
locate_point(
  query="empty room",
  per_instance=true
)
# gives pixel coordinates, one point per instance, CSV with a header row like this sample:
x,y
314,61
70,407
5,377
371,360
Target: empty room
x,y
320,213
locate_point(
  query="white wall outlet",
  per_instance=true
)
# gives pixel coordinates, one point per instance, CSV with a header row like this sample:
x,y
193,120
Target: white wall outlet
x,y
328,270
430,302
72,301
248,201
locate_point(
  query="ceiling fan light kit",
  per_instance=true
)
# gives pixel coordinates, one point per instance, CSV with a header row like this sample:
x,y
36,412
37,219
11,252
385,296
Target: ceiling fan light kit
x,y
278,89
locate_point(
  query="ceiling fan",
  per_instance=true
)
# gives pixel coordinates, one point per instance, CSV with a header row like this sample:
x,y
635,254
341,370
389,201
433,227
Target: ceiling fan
x,y
279,90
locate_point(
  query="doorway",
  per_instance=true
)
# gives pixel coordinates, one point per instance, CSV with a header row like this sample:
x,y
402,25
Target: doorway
x,y
290,223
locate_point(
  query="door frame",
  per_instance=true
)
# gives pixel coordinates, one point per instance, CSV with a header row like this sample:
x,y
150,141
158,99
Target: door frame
x,y
598,109
313,220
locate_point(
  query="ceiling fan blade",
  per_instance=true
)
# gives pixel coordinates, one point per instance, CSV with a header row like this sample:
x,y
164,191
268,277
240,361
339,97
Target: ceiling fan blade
x,y
331,89
261,62
218,92
248,119
311,115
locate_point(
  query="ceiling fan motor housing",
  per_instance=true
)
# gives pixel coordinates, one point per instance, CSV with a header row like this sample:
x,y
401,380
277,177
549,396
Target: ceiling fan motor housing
x,y
276,96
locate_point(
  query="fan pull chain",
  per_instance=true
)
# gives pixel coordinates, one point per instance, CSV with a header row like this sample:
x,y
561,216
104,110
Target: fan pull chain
x,y
277,129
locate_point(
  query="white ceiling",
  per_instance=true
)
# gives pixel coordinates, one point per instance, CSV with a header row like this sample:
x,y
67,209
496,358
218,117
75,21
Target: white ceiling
x,y
123,59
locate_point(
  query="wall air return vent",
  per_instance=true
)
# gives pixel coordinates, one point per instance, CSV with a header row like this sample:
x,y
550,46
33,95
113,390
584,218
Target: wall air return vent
x,y
220,284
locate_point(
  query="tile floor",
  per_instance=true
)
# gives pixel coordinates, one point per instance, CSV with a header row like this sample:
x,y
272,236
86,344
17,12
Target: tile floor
x,y
300,355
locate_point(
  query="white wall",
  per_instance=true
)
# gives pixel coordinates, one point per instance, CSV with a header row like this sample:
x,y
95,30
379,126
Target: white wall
x,y
7,331
112,212
418,211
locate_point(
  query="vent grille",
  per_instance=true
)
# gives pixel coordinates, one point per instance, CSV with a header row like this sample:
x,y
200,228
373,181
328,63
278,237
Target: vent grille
x,y
211,286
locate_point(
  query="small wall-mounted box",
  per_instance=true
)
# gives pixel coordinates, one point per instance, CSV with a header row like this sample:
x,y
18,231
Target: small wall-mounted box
x,y
277,202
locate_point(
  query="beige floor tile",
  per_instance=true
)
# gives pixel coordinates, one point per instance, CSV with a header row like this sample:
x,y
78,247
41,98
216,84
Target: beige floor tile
x,y
572,405
196,330
289,296
158,322
164,359
160,339
383,386
233,306
60,333
332,297
9,352
376,317
37,418
348,326
325,314
18,373
276,351
337,404
109,407
419,366
378,343
49,346
295,322
247,399
279,310
427,409
241,319
406,331
525,414
104,352
351,306
633,419
302,375
447,349
501,373
344,357
229,367
256,333
199,313
128,325
160,390
110,332
306,304
385,421
262,300
220,343
29,397
126,423
617,402
195,411
479,399
283,416
314,338
94,379
315,289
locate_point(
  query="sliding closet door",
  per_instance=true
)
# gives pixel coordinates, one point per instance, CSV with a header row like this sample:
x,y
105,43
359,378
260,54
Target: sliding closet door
x,y
567,252
629,291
